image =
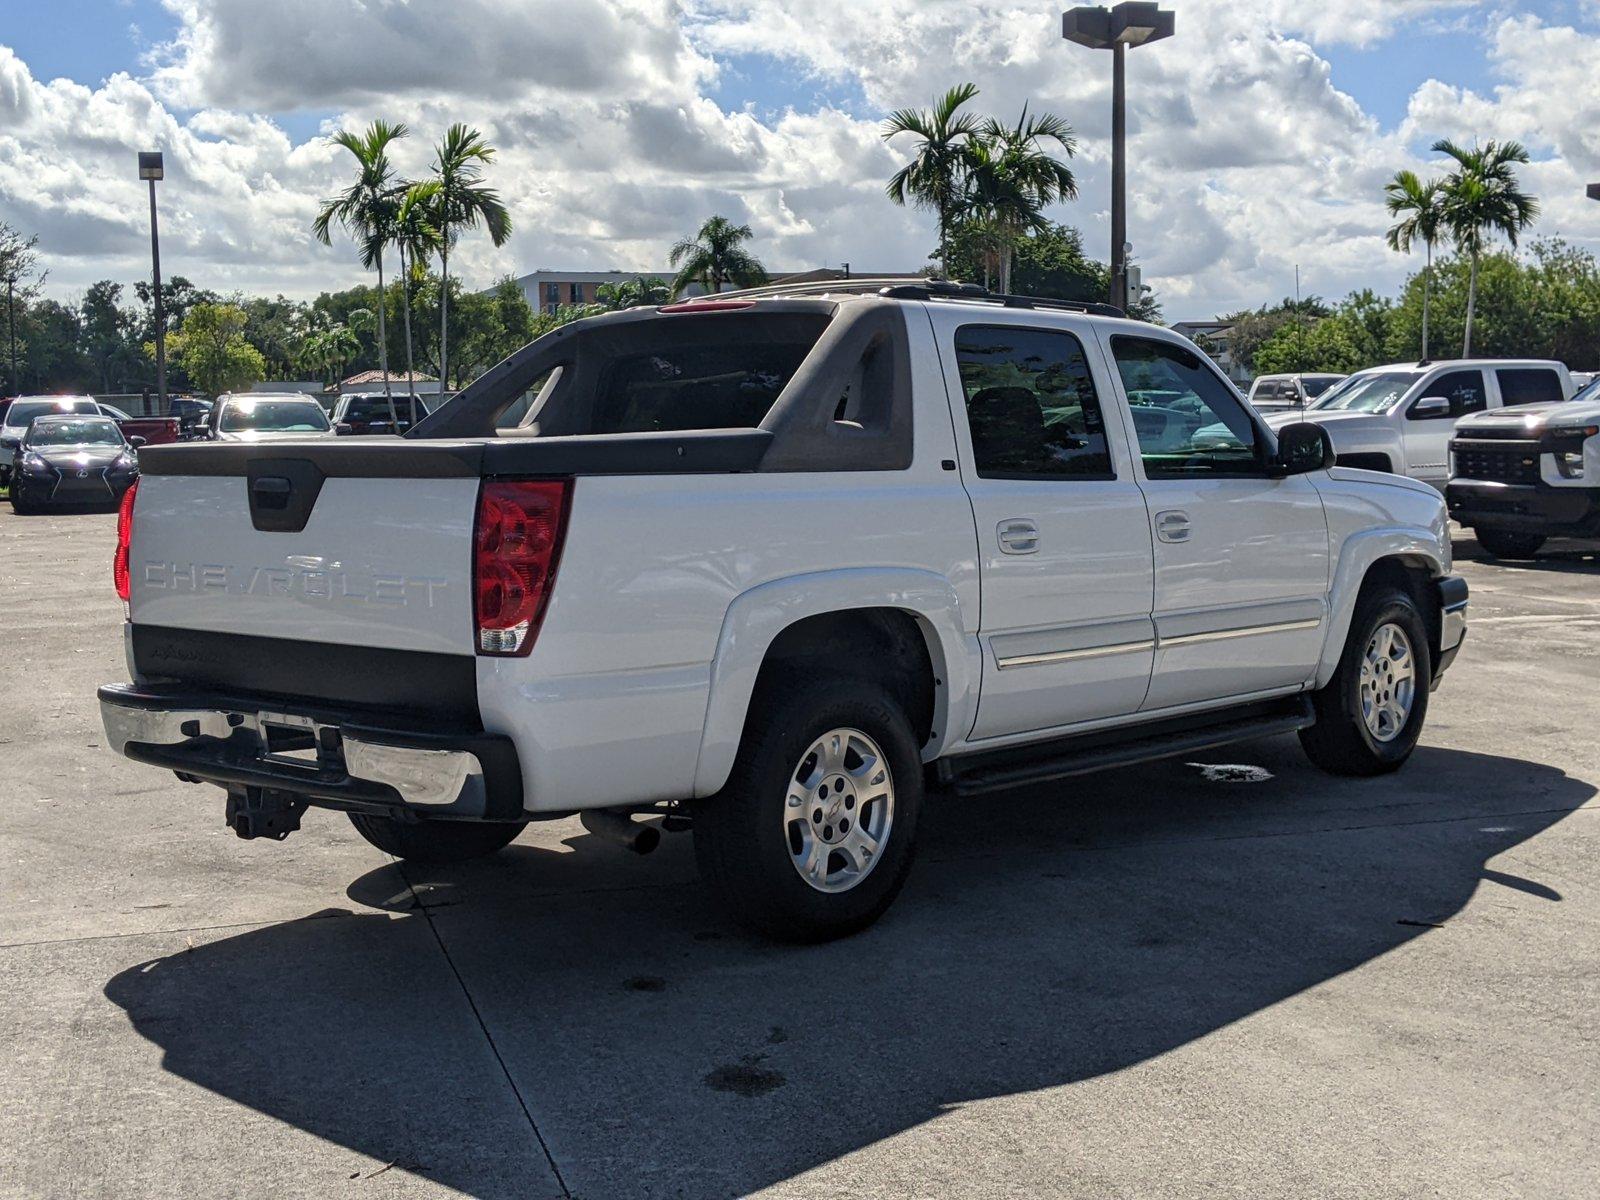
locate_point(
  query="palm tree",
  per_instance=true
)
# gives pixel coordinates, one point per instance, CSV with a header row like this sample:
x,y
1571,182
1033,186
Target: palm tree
x,y
1011,178
1420,207
1481,198
933,177
715,256
639,292
329,348
366,210
462,202
417,239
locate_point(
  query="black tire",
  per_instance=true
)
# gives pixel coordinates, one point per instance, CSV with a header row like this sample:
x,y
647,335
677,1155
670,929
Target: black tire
x,y
428,841
1340,742
1508,543
739,834
20,506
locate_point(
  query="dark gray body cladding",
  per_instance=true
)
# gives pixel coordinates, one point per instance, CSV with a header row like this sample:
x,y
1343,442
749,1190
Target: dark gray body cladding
x,y
846,407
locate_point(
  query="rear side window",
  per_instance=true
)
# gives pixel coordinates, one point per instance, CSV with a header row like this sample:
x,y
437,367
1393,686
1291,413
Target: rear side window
x,y
1528,385
1315,387
1031,404
673,388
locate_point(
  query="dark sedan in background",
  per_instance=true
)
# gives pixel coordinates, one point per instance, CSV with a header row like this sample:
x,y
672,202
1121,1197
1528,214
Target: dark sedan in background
x,y
72,460
361,413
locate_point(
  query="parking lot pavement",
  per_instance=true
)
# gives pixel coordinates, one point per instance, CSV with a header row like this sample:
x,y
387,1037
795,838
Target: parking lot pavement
x,y
1177,980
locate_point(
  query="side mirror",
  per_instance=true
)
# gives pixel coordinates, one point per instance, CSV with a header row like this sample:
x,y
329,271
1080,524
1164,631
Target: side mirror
x,y
136,441
1302,447
9,443
1430,408
344,429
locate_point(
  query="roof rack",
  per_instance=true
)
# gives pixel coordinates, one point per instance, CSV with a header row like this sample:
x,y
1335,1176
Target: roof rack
x,y
930,289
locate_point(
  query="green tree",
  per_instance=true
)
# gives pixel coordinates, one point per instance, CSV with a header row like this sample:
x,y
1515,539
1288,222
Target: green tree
x,y
1482,198
1011,178
639,292
276,327
213,350
1421,209
107,333
934,177
366,209
714,256
461,203
1049,262
327,348
1330,344
21,279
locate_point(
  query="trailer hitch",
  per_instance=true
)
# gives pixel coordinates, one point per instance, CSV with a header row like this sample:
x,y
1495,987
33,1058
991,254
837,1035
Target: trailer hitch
x,y
264,812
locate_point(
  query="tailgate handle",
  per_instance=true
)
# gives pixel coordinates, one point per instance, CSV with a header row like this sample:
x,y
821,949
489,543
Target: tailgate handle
x,y
271,492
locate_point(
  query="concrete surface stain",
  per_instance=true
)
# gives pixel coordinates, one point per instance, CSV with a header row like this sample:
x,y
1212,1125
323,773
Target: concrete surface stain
x,y
745,1078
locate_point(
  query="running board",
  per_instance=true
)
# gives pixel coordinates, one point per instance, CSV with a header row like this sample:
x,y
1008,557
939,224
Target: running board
x,y
996,770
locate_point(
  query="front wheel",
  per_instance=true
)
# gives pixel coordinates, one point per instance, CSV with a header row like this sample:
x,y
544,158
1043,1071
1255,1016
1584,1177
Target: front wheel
x,y
1370,714
1508,543
435,841
812,836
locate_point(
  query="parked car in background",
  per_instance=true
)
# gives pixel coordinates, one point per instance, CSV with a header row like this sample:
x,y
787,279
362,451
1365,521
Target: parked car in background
x,y
156,431
1521,477
1400,418
71,459
769,559
193,415
20,411
360,413
1280,393
266,417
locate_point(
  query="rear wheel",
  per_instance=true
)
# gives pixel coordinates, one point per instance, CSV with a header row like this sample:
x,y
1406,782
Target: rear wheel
x,y
1508,543
428,841
1370,714
812,836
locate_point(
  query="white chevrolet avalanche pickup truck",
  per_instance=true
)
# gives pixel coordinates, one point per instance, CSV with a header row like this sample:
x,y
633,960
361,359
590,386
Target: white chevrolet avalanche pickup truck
x,y
762,565
1400,418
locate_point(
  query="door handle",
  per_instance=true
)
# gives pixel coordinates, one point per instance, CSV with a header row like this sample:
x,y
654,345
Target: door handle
x,y
1017,535
1172,526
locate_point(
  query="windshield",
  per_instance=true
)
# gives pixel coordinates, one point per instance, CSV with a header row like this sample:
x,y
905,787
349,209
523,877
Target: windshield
x,y
1367,393
1589,391
274,416
24,411
90,431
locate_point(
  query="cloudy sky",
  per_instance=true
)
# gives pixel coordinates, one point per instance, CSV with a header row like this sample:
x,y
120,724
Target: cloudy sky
x,y
1261,135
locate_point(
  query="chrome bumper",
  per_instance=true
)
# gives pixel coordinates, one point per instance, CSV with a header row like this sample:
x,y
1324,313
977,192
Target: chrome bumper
x,y
344,763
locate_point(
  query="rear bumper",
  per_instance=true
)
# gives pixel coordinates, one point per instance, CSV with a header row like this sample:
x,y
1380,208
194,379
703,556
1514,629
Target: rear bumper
x,y
349,759
1526,507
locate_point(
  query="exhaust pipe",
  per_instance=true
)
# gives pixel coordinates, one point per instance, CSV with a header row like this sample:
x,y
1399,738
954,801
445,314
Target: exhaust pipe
x,y
620,828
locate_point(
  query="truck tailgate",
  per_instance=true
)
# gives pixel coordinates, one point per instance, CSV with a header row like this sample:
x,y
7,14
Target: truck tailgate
x,y
380,562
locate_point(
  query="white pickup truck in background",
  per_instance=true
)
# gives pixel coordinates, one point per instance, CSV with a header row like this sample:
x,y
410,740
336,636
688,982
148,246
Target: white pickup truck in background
x,y
1400,418
1525,475
763,563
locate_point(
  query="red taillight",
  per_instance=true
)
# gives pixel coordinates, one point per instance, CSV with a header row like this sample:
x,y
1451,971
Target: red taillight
x,y
516,547
119,565
705,306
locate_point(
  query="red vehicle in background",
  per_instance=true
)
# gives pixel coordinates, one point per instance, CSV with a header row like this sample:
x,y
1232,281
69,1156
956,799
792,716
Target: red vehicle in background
x,y
156,431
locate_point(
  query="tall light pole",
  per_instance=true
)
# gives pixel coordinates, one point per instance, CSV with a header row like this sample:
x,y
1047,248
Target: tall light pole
x,y
1115,29
150,168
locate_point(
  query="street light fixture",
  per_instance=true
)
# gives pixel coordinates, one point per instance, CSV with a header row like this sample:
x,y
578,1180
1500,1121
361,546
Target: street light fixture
x,y
150,167
1594,191
1115,29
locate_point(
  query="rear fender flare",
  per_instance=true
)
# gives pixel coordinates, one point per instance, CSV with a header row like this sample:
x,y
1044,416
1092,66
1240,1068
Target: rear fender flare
x,y
1356,558
756,617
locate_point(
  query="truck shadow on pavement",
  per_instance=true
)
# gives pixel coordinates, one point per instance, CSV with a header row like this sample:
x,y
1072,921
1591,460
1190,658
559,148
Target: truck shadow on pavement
x,y
568,1005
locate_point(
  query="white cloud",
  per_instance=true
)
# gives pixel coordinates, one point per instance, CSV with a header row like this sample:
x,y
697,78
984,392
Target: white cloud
x,y
1246,157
